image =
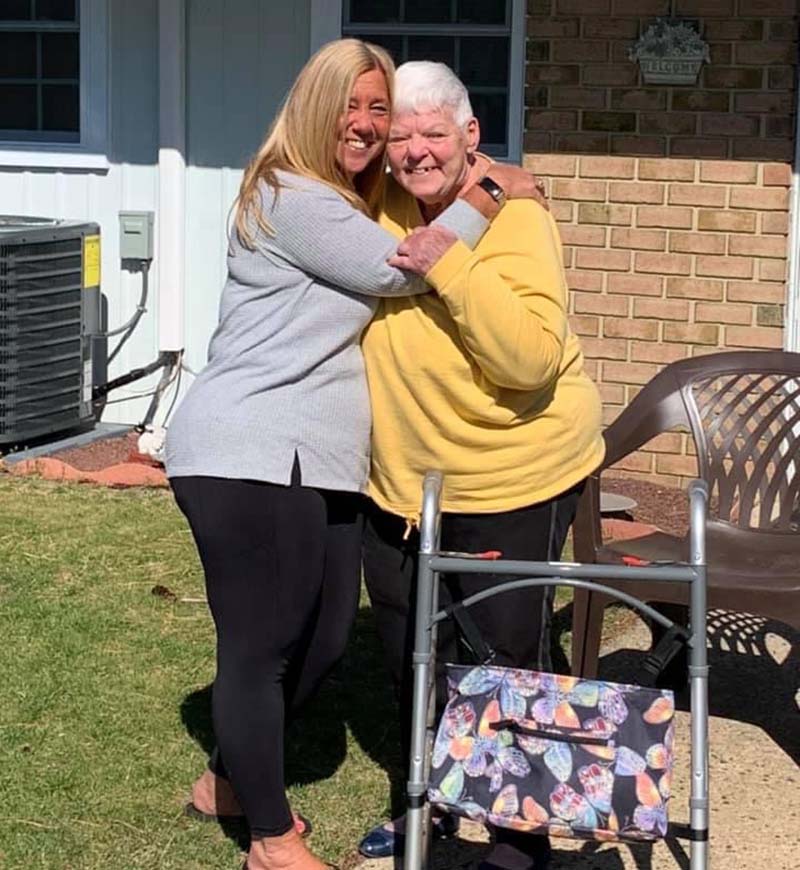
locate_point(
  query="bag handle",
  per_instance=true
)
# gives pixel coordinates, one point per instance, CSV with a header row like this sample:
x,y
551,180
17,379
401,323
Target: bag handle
x,y
481,651
521,726
671,643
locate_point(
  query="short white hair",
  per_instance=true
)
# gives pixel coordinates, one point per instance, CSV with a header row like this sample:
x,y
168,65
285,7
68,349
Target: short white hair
x,y
423,84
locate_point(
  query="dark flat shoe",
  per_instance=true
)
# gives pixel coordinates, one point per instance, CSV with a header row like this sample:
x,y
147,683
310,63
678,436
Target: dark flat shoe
x,y
381,843
192,812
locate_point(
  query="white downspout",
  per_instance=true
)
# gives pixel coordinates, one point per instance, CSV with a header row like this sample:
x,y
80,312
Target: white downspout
x,y
791,339
171,173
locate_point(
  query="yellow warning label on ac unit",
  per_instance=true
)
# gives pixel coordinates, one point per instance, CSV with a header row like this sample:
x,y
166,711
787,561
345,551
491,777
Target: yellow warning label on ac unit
x,y
91,261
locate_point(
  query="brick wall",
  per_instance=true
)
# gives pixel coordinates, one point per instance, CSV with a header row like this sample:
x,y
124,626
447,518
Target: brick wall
x,y
672,201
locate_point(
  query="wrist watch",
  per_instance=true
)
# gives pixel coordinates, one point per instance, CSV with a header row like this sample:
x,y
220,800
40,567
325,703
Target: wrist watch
x,y
493,189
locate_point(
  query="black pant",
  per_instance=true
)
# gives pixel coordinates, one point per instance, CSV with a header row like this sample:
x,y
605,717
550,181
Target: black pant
x,y
515,624
282,571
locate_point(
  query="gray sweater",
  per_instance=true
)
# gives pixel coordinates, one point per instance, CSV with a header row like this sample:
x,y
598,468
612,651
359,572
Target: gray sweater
x,y
285,371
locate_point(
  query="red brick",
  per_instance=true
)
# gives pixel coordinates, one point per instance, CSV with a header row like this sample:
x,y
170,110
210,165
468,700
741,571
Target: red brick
x,y
663,216
639,146
537,50
767,7
755,246
592,303
686,466
725,312
587,281
651,100
592,237
765,200
611,394
609,122
705,8
778,175
725,267
609,261
641,7
536,73
607,167
751,291
551,164
628,373
567,256
698,147
592,369
694,288
781,78
583,7
764,53
540,7
733,77
610,74
569,97
726,221
734,29
785,28
656,352
663,264
662,309
772,270
595,213
670,123
729,125
561,211
636,192
754,336
765,103
543,28
769,315
639,461
720,53
579,51
536,143
700,101
619,327
692,333
587,191
777,127
582,324
667,442
643,240
667,170
763,149
610,28
582,143
697,243
636,285
775,222
605,348
728,172
550,120
697,194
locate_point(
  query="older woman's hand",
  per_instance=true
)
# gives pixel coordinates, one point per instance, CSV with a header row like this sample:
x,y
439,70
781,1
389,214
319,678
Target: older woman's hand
x,y
420,250
518,183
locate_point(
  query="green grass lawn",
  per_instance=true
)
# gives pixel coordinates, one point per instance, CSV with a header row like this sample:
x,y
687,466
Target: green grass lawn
x,y
105,719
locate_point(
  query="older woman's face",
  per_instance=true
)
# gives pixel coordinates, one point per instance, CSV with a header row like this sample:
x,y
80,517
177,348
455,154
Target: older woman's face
x,y
365,125
429,153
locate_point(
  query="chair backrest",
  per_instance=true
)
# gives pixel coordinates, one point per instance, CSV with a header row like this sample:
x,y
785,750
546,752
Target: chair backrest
x,y
743,411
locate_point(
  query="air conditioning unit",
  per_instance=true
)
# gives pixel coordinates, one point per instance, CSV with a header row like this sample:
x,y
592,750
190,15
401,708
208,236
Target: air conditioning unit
x,y
49,311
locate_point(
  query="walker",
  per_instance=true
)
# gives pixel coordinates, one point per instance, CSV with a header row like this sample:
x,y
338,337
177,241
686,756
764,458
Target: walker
x,y
432,563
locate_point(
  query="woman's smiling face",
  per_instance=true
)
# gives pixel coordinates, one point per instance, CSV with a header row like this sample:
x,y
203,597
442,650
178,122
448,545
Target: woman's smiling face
x,y
364,128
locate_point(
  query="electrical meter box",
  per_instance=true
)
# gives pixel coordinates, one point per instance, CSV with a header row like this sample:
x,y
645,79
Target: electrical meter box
x,y
136,235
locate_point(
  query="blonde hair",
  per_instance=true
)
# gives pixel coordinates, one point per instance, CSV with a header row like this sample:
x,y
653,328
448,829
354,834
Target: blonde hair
x,y
304,134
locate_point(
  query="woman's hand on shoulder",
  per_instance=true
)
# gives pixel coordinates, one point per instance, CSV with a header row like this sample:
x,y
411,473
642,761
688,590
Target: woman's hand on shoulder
x,y
422,249
518,183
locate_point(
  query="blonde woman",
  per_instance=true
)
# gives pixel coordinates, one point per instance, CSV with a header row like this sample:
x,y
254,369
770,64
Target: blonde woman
x,y
268,454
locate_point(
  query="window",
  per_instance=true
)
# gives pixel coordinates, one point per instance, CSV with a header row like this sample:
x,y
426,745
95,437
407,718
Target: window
x,y
40,70
53,82
481,40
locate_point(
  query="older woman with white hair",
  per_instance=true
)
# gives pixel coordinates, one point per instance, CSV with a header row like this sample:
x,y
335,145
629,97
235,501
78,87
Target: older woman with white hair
x,y
484,380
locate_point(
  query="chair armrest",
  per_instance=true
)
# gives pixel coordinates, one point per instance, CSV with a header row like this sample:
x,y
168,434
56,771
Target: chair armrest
x,y
587,537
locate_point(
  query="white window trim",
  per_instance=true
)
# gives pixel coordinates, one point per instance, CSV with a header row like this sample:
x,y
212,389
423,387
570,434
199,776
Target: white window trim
x,y
91,151
326,24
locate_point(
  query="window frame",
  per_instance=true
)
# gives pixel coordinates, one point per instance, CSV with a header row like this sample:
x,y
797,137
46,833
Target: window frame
x,y
516,74
90,151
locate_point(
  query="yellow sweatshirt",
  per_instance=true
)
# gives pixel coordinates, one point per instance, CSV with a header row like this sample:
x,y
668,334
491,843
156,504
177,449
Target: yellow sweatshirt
x,y
481,379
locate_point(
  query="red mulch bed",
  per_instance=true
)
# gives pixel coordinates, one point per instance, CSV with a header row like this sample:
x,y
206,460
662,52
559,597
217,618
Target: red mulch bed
x,y
100,454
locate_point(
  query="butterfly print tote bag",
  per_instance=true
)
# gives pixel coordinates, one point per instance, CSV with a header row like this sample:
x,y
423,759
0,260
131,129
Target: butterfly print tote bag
x,y
554,754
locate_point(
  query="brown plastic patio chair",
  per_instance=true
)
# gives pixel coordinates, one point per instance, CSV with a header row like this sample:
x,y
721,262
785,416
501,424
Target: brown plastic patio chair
x,y
742,409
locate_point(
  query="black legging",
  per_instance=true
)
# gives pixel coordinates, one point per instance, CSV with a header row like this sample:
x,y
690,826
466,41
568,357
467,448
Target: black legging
x,y
282,566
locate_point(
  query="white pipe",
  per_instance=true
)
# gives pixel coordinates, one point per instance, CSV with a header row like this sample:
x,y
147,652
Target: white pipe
x,y
791,338
171,173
